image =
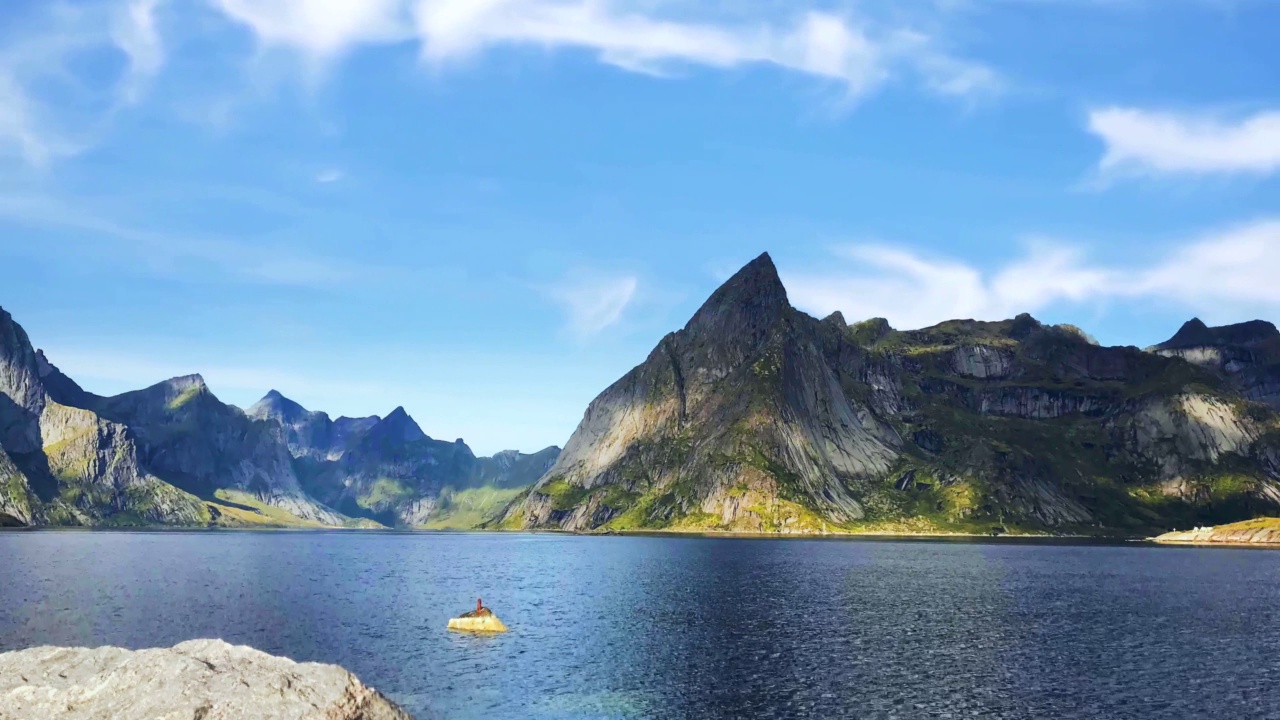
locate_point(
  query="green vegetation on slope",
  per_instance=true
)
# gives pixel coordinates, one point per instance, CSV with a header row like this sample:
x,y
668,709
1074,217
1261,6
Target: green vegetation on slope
x,y
242,509
470,508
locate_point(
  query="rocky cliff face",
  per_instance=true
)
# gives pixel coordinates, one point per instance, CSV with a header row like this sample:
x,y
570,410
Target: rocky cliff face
x,y
757,417
1245,355
66,465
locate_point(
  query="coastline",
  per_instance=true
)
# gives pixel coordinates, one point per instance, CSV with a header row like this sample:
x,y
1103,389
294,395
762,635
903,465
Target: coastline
x,y
1259,533
655,533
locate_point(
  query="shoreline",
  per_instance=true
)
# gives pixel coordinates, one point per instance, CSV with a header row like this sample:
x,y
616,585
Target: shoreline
x,y
708,534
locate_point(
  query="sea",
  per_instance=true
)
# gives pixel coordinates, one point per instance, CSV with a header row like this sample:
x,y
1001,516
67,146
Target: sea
x,y
687,627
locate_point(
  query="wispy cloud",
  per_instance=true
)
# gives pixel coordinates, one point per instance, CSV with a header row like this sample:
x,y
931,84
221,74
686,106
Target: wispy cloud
x,y
1220,274
1149,142
111,370
175,255
331,175
630,34
592,301
52,107
135,32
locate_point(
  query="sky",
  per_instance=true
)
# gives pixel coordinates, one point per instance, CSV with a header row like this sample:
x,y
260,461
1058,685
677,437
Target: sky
x,y
488,210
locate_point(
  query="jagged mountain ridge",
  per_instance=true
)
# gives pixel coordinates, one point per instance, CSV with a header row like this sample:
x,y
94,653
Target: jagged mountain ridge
x,y
387,469
758,417
174,454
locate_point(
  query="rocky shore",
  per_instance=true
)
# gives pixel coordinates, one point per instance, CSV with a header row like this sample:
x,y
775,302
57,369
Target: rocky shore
x,y
1263,531
196,680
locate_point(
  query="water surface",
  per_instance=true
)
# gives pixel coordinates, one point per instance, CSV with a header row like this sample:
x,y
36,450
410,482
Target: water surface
x,y
669,627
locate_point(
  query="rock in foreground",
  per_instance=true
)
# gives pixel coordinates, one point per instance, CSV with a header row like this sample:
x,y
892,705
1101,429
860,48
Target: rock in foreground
x,y
201,679
1263,531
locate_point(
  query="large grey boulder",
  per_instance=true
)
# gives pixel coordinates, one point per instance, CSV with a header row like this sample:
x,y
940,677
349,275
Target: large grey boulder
x,y
196,680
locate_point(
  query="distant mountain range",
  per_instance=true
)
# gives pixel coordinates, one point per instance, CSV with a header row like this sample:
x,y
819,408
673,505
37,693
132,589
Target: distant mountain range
x,y
759,418
753,418
173,454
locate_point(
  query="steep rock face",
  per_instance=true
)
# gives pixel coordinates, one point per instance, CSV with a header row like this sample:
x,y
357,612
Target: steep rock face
x,y
1246,355
513,469
100,478
744,408
64,465
201,445
22,395
204,679
758,417
18,504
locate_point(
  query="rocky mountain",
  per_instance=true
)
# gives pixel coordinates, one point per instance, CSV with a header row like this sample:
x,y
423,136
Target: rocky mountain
x,y
66,465
1245,355
311,434
388,470
758,417
174,454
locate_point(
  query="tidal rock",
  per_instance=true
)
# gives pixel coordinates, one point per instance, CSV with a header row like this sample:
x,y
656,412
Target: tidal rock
x,y
204,679
480,621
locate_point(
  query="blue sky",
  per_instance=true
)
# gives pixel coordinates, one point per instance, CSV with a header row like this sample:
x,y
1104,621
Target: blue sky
x,y
488,210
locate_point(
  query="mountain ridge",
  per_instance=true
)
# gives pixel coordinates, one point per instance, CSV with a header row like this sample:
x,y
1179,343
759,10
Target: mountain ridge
x,y
757,417
174,454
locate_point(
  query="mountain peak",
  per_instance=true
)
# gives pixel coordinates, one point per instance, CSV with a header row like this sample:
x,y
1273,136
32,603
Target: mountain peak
x,y
752,299
1194,333
275,406
399,426
186,382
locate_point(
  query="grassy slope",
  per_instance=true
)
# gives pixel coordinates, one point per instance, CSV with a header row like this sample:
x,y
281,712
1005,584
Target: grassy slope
x,y
468,509
261,515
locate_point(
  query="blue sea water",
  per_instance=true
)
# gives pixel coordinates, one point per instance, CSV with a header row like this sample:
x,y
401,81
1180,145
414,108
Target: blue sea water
x,y
675,627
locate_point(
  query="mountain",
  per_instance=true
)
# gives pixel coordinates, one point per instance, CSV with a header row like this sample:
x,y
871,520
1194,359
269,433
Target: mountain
x,y
201,445
174,454
1245,355
757,417
65,465
310,434
388,470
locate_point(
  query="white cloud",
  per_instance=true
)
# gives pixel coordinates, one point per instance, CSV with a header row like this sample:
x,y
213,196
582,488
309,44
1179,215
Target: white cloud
x,y
1152,142
320,27
630,34
332,175
52,106
593,302
134,31
1218,275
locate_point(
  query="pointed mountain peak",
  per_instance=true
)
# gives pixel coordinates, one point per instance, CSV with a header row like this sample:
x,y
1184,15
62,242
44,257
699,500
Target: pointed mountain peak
x,y
398,426
276,406
752,299
759,276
